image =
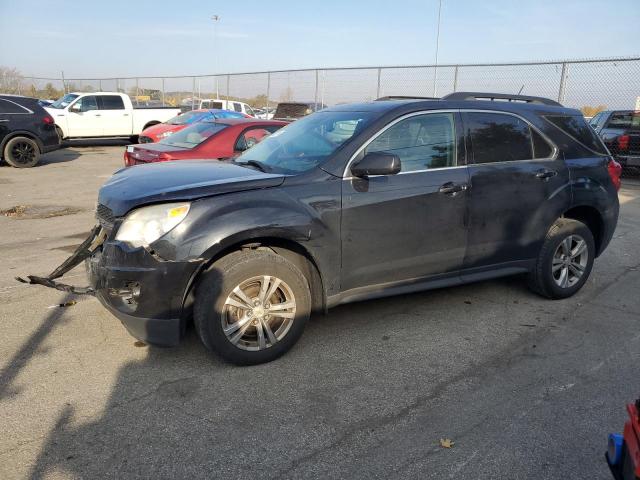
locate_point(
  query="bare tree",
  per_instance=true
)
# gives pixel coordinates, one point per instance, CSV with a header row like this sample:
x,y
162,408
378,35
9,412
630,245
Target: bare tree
x,y
11,80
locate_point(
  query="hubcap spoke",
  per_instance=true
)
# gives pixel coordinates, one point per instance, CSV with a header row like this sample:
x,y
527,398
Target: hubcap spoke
x,y
242,296
566,245
236,325
241,331
267,328
274,287
264,287
281,306
261,342
575,270
564,277
580,247
283,314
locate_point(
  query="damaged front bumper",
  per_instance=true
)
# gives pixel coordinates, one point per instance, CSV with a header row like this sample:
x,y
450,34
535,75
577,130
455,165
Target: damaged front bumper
x,y
146,293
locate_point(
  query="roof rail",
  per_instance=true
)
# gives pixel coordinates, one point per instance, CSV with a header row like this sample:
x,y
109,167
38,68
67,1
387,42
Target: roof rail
x,y
404,97
500,96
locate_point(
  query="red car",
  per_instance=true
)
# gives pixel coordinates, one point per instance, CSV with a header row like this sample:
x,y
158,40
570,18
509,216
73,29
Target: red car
x,y
217,139
159,131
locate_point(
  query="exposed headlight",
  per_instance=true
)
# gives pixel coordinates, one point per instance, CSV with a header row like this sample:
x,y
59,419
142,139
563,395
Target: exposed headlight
x,y
165,134
147,224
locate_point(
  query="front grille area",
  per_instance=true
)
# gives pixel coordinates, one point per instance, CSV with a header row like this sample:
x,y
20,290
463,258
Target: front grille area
x,y
105,217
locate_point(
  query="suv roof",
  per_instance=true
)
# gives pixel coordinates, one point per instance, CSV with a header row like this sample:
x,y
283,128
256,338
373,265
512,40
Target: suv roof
x,y
465,100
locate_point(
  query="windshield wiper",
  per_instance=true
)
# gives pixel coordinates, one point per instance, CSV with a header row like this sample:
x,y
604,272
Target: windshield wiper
x,y
255,163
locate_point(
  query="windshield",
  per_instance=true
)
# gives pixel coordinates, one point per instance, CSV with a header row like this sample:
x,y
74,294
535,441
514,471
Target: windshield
x,y
64,101
193,135
186,118
306,143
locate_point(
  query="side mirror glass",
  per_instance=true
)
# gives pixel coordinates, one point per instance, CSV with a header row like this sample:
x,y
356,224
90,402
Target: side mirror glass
x,y
76,107
376,163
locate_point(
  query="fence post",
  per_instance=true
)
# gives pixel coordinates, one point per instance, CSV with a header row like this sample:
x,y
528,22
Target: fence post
x,y
563,83
162,91
378,87
137,89
268,91
193,94
228,80
315,95
117,84
455,79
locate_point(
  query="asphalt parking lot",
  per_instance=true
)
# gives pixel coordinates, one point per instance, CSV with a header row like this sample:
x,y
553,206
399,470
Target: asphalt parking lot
x,y
525,387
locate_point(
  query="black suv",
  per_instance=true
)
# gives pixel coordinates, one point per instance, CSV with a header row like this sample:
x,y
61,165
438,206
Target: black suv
x,y
26,131
351,203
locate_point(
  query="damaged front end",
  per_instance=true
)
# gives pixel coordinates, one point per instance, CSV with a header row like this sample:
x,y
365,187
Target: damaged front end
x,y
145,290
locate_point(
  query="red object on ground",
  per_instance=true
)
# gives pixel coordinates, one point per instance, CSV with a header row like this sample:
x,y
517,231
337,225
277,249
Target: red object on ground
x,y
632,436
224,138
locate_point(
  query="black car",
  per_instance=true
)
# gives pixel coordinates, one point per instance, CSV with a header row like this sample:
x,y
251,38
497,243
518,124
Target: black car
x,y
26,131
620,131
351,203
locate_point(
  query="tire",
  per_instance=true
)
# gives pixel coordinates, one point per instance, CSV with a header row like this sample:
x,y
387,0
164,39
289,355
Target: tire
x,y
218,308
560,271
21,152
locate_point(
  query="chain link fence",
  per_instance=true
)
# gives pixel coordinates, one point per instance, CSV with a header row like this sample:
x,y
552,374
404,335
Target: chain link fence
x,y
588,85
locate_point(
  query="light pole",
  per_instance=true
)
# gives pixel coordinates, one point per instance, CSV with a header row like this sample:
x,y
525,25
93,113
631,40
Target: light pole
x,y
435,68
216,19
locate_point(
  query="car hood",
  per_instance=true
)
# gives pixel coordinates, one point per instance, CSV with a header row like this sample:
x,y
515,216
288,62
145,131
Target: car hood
x,y
181,180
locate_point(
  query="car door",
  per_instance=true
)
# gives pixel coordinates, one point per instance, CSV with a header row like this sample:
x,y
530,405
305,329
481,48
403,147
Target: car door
x,y
83,118
115,119
409,225
519,186
12,117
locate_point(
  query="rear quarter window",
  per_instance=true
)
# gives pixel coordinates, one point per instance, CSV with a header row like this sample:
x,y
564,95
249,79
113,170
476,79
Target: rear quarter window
x,y
9,107
575,126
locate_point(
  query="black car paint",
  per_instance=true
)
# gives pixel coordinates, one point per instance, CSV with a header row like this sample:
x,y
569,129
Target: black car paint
x,y
29,125
354,231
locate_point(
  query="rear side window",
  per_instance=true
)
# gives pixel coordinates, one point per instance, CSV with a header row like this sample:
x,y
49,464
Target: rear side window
x,y
7,106
628,120
541,148
576,127
497,137
111,102
237,107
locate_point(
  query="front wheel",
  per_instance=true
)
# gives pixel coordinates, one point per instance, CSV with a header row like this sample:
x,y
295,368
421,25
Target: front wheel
x,y
251,306
565,260
21,152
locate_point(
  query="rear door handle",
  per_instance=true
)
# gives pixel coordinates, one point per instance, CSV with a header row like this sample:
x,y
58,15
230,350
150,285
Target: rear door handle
x,y
97,115
452,188
544,174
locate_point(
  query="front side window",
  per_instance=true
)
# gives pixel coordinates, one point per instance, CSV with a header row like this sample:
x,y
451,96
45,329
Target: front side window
x,y
112,102
421,142
253,136
237,107
497,137
308,142
86,104
193,135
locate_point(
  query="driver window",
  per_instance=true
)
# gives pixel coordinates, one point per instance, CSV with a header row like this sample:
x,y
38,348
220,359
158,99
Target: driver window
x,y
251,137
422,142
86,104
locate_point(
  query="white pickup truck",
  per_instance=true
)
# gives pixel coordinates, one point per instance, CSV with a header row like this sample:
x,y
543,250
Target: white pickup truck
x,y
104,114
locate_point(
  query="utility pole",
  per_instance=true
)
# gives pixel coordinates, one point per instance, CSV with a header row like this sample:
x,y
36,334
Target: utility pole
x,y
435,68
216,19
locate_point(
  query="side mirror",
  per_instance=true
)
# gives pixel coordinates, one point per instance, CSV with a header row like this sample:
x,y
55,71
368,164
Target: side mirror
x,y
376,163
76,107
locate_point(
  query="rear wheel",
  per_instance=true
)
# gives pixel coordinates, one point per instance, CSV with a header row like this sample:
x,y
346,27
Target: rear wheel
x,y
251,306
21,152
565,260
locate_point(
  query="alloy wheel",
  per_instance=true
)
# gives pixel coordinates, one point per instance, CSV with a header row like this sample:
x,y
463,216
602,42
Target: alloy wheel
x,y
23,152
258,313
570,261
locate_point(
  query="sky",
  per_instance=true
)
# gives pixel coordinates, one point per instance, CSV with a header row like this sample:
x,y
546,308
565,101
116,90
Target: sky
x,y
130,38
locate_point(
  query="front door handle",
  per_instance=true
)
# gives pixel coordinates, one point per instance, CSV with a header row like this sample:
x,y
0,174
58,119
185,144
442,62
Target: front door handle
x,y
545,174
97,115
452,188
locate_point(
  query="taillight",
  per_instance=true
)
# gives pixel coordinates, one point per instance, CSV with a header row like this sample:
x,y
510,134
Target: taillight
x,y
623,142
48,120
615,171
